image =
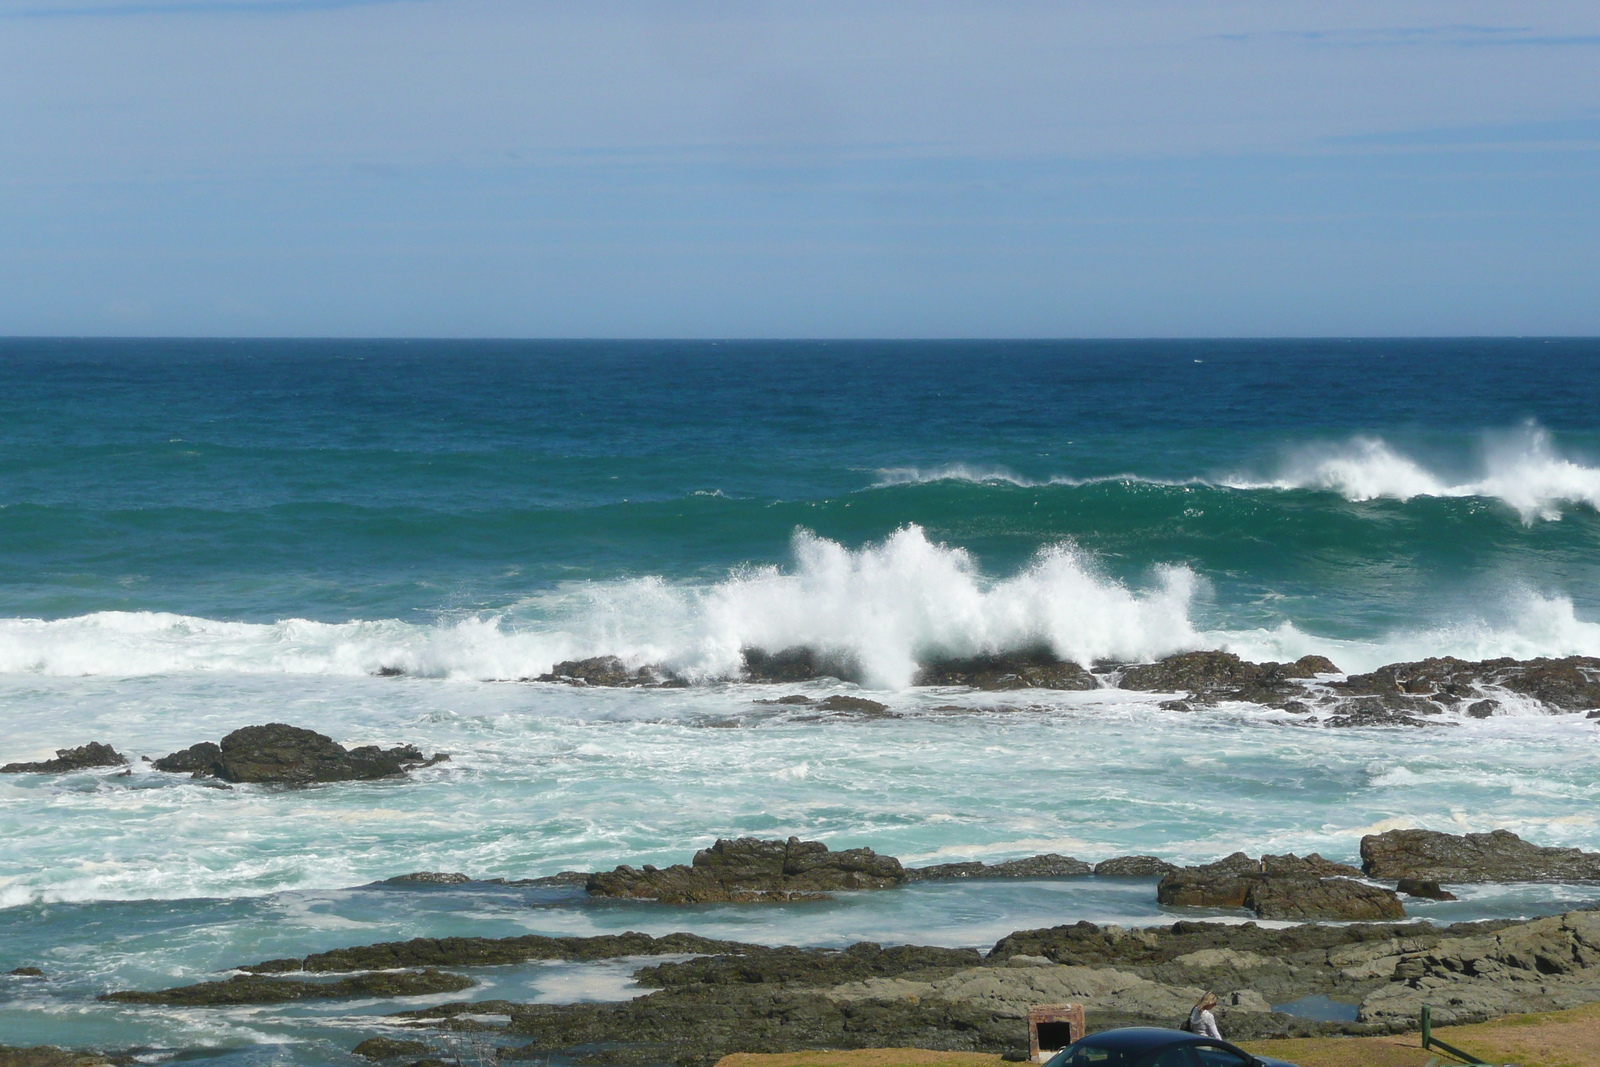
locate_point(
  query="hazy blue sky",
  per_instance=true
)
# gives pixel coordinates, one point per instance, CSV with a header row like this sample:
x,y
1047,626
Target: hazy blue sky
x,y
611,168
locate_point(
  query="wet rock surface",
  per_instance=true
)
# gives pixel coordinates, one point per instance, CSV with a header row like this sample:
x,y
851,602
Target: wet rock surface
x,y
1048,865
491,951
799,664
1497,856
1134,867
290,755
1213,676
611,672
254,989
751,869
1030,669
84,757
388,1048
428,878
810,967
1280,887
1570,684
51,1056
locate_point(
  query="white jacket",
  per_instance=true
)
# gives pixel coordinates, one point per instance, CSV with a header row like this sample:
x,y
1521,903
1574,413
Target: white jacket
x,y
1203,1022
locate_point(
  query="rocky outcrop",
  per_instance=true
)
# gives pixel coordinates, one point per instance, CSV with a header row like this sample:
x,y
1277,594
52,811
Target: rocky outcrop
x,y
389,1048
750,869
253,989
428,878
1134,867
1544,965
1280,887
799,664
807,966
1048,865
1213,676
1570,684
1028,669
1497,856
51,1056
493,951
290,755
84,757
1421,887
611,672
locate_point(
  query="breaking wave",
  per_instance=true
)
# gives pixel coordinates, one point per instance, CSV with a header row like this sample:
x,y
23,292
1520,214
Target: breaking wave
x,y
885,606
1522,469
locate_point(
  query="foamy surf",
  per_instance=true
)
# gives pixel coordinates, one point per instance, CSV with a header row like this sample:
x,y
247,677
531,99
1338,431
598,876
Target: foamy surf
x,y
886,607
1522,469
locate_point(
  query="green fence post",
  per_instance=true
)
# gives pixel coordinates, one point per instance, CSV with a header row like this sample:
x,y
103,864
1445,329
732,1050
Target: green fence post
x,y
1427,1026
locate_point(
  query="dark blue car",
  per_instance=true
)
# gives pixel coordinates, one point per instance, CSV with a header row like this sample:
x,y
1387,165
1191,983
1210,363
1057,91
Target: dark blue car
x,y
1152,1046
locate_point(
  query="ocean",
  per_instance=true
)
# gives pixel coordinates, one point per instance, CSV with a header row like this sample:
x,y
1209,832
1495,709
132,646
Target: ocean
x,y
383,540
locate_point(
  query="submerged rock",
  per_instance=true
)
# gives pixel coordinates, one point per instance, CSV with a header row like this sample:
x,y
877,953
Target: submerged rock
x,y
94,754
750,869
25,972
1026,669
1048,865
281,754
253,989
1280,887
1497,856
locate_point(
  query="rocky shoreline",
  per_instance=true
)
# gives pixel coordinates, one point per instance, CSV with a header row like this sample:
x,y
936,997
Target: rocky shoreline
x,y
706,997
1415,693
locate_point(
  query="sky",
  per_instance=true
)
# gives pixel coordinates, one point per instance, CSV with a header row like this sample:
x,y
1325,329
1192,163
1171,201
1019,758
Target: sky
x,y
926,168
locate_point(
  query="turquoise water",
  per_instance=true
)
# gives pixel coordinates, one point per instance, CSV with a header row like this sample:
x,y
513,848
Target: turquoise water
x,y
195,536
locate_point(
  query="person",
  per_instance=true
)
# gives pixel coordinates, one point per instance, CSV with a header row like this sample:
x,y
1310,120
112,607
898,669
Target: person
x,y
1201,1021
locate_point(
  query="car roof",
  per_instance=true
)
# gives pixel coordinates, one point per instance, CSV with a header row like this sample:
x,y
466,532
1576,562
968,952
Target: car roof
x,y
1139,1038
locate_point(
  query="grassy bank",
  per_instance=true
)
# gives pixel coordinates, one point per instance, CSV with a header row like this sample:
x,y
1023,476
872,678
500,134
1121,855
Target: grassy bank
x,y
1552,1039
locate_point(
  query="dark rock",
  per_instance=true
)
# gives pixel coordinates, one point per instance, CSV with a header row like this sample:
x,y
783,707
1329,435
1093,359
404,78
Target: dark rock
x,y
807,966
428,878
253,989
749,869
857,706
1482,709
493,951
609,671
1421,887
1570,684
1389,710
1216,676
1134,867
281,754
26,972
792,698
1497,856
389,672
1049,865
799,664
203,758
1026,669
1280,887
50,1056
388,1048
94,754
